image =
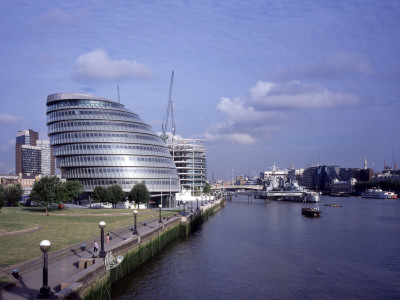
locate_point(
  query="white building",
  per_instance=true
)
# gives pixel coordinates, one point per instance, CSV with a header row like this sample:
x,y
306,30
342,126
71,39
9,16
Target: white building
x,y
44,145
190,160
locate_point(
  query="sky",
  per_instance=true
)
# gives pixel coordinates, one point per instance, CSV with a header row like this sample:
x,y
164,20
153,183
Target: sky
x,y
263,82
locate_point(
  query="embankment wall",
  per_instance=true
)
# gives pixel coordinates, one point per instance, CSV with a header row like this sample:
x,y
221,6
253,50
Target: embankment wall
x,y
95,282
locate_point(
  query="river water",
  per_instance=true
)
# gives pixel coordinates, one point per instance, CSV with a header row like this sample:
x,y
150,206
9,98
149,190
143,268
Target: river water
x,y
268,250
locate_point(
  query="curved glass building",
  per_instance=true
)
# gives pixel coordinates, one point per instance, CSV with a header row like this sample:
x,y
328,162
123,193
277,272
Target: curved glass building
x,y
100,142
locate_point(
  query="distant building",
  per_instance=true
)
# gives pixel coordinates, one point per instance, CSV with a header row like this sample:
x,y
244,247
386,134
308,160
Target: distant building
x,y
275,173
322,178
33,156
296,175
343,186
309,179
6,180
47,160
27,182
24,137
328,178
31,159
387,175
27,137
356,173
325,176
190,159
366,174
240,180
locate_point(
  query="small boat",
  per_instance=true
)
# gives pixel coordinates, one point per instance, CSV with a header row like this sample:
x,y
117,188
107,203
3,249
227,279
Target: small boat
x,y
333,205
377,193
310,212
339,195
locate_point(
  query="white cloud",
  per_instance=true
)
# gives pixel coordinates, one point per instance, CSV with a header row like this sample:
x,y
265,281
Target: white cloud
x,y
237,111
261,89
98,66
7,118
269,107
236,138
244,124
297,96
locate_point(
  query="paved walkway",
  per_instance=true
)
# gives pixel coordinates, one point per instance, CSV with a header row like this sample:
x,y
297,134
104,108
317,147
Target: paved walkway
x,y
63,264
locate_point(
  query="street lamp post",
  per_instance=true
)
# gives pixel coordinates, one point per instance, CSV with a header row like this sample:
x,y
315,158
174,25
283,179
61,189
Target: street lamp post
x,y
160,221
102,225
134,228
45,292
197,200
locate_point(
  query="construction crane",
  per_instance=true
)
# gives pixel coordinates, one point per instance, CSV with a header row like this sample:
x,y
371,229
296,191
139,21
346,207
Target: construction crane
x,y
394,161
164,135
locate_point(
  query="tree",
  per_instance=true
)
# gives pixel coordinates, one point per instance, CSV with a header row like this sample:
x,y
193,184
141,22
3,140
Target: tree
x,y
70,190
207,188
117,194
101,195
47,190
139,193
2,196
13,193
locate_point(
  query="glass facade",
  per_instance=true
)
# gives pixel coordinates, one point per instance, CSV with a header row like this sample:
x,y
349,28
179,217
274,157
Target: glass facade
x,y
190,159
47,159
24,137
100,142
31,160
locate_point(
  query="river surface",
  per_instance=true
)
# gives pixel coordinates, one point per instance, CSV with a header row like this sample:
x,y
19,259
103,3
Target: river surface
x,y
268,250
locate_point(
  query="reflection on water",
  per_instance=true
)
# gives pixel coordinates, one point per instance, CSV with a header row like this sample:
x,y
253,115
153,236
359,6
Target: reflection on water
x,y
269,250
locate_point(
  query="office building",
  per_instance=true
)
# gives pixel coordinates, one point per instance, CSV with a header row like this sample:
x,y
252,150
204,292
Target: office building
x,y
100,142
47,159
309,179
24,137
190,159
33,156
31,159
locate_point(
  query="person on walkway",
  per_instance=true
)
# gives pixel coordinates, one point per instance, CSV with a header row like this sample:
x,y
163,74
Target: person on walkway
x,y
108,238
95,246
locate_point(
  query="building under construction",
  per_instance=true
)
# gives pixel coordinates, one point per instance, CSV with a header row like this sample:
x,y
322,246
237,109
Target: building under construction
x,y
190,160
189,155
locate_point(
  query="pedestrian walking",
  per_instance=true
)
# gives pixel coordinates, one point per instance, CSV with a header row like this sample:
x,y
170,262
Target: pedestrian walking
x,y
108,238
95,246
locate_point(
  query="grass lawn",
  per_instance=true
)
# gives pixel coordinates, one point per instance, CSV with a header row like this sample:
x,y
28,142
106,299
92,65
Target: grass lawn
x,y
4,279
62,227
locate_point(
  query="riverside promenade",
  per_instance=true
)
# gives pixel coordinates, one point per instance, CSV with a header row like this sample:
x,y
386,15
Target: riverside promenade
x,y
65,263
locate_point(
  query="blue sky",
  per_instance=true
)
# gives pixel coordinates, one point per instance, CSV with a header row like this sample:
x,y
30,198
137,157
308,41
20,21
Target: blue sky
x,y
308,82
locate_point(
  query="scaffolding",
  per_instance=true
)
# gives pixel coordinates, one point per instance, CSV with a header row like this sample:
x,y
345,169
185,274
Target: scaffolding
x,y
189,156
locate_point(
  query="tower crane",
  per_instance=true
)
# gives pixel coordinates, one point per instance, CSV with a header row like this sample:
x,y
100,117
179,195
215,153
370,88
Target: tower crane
x,y
164,135
394,161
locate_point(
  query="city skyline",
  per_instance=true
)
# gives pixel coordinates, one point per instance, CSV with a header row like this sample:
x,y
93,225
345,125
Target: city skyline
x,y
261,81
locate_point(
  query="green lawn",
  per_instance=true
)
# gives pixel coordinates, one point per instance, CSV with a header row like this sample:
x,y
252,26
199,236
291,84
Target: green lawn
x,y
62,227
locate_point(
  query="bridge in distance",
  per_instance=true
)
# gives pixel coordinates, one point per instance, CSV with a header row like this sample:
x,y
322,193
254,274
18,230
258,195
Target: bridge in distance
x,y
255,191
237,187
